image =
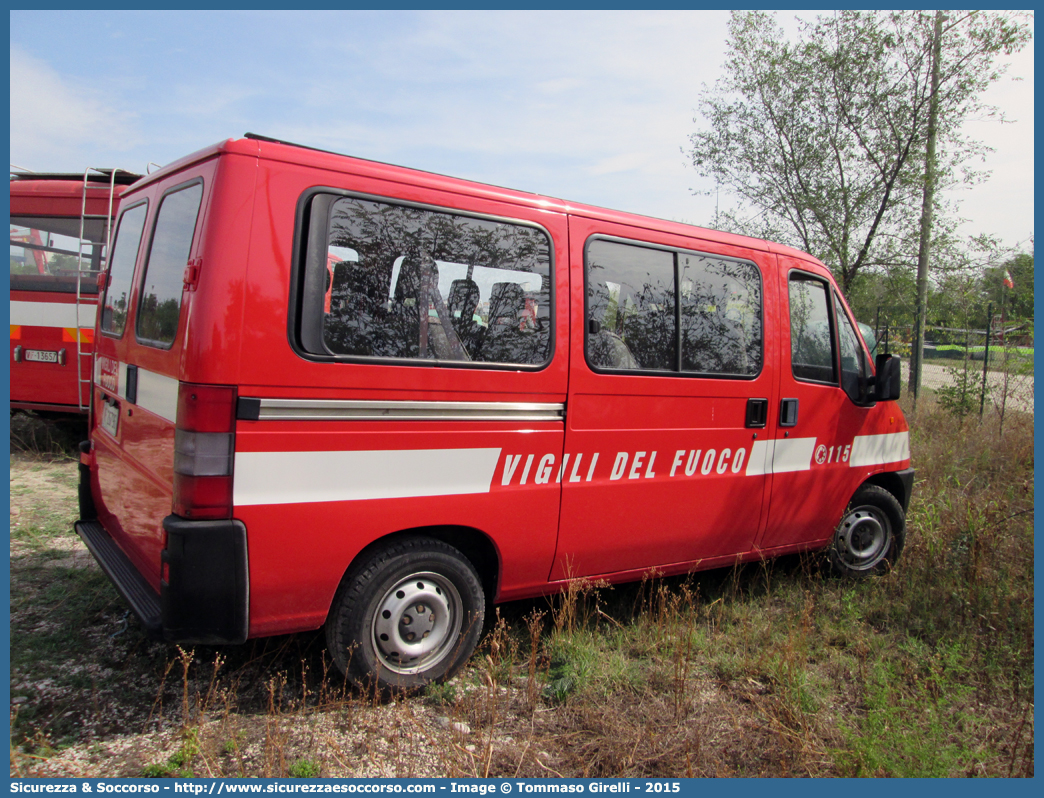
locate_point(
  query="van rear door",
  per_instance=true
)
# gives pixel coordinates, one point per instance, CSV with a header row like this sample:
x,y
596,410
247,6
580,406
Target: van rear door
x,y
142,332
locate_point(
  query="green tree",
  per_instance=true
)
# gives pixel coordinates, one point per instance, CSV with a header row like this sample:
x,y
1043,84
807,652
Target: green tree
x,y
888,293
1018,299
823,140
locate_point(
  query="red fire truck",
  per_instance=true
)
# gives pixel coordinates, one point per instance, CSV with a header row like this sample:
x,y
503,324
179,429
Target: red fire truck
x,y
336,392
59,228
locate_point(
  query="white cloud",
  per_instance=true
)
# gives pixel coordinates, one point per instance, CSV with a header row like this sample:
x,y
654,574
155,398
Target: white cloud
x,y
593,107
1003,205
622,162
559,85
49,117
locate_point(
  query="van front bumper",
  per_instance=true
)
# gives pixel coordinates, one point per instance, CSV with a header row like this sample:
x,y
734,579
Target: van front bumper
x,y
906,477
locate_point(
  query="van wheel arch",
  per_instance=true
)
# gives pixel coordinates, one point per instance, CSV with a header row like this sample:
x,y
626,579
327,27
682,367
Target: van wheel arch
x,y
472,543
891,483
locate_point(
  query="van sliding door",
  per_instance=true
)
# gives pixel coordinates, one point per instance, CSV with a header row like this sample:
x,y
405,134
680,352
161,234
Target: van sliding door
x,y
659,437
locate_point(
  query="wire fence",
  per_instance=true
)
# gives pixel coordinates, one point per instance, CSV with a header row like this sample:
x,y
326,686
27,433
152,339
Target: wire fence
x,y
970,371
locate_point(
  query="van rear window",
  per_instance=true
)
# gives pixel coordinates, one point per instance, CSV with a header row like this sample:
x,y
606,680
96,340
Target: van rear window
x,y
401,282
659,310
160,305
47,253
121,269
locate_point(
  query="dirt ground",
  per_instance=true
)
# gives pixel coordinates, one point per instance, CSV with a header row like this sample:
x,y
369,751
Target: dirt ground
x,y
92,697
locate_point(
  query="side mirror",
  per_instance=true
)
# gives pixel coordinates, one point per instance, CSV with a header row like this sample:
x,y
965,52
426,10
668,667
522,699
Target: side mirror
x,y
888,380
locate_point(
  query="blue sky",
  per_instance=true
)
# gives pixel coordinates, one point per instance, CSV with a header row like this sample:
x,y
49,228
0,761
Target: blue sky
x,y
589,106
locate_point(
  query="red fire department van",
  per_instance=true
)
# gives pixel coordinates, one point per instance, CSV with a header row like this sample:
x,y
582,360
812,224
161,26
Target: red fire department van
x,y
59,228
336,392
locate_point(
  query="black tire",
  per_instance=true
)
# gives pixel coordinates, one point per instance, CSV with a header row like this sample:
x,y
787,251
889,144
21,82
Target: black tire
x,y
409,615
871,534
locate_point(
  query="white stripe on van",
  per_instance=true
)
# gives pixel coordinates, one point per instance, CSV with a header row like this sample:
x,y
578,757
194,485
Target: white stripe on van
x,y
157,393
760,461
780,456
793,454
306,477
52,314
880,449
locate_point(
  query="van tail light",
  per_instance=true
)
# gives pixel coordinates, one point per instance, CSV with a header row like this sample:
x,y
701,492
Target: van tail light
x,y
204,446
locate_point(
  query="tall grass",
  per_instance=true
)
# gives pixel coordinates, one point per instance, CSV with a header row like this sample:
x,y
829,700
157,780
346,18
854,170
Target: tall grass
x,y
771,669
781,668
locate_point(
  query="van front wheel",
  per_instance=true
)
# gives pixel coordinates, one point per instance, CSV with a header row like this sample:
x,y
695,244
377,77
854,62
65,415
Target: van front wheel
x,y
410,615
871,534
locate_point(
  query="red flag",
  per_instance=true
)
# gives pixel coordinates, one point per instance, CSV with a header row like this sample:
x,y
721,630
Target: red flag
x,y
1007,279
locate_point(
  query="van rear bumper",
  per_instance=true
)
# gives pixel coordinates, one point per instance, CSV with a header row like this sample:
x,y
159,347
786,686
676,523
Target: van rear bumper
x,y
205,595
143,600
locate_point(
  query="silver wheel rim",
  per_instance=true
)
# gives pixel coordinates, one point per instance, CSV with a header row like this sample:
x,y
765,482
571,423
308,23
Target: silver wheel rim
x,y
863,539
417,623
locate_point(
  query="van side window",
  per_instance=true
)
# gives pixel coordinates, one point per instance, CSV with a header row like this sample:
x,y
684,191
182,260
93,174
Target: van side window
x,y
854,367
720,315
160,304
630,307
121,269
397,281
811,342
635,322
46,250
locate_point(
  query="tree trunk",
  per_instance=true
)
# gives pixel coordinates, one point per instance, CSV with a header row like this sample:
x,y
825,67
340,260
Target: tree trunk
x,y
927,203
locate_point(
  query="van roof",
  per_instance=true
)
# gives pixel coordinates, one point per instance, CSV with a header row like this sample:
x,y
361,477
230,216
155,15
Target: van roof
x,y
263,147
123,177
61,194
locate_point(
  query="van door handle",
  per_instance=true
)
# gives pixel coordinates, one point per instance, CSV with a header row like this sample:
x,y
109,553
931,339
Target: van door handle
x,y
131,394
788,412
757,413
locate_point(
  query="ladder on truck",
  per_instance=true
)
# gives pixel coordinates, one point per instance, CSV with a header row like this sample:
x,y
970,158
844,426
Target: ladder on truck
x,y
107,180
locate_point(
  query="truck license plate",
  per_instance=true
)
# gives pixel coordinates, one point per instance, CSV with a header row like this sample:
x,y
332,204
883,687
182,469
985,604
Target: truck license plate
x,y
39,356
110,418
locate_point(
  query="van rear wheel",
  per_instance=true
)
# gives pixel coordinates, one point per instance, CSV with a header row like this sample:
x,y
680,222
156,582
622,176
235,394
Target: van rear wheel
x,y
871,534
409,615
